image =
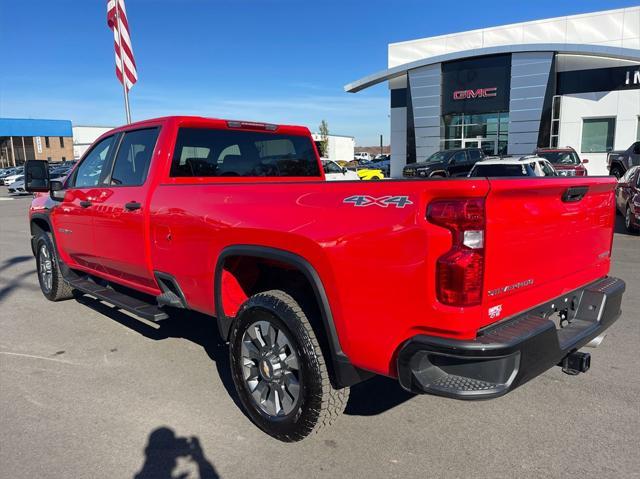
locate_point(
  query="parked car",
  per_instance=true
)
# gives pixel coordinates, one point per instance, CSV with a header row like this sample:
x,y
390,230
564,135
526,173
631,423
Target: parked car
x,y
445,163
618,162
334,172
370,174
9,180
234,220
510,166
362,155
565,160
383,165
381,157
17,187
628,198
10,172
355,164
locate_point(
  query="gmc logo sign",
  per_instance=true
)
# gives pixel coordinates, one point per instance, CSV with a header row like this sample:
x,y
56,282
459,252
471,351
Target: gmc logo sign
x,y
477,93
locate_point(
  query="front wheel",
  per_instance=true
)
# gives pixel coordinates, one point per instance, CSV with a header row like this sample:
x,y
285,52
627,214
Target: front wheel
x,y
279,371
52,284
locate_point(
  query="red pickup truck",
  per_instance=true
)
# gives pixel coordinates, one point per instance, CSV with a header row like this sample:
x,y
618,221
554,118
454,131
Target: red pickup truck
x,y
455,287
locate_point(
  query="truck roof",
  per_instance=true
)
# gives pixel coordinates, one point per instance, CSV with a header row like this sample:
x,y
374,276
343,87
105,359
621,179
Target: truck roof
x,y
204,122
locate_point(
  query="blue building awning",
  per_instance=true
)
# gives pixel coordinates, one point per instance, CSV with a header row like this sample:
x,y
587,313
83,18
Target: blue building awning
x,y
27,127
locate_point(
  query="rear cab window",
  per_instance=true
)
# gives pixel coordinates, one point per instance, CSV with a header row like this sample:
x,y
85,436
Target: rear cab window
x,y
219,152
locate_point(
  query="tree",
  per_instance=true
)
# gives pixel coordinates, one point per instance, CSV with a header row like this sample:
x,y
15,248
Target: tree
x,y
324,139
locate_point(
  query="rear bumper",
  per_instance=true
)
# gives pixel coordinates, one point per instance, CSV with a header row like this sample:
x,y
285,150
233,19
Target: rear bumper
x,y
512,352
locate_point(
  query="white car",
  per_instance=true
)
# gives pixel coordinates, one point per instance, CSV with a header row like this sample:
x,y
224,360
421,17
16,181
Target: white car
x,y
9,180
362,155
334,172
17,188
513,166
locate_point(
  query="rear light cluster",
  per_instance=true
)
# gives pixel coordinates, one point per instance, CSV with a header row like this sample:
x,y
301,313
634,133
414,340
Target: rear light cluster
x,y
460,271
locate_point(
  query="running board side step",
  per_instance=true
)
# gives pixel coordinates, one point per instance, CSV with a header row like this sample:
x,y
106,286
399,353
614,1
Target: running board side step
x,y
139,307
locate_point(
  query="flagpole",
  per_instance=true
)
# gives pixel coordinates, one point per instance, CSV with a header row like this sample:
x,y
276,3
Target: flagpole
x,y
124,75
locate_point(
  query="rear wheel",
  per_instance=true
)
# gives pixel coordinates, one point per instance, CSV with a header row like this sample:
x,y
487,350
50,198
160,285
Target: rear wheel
x,y
52,284
278,369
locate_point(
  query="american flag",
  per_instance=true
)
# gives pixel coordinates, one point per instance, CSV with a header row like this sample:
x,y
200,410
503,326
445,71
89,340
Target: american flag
x,y
122,42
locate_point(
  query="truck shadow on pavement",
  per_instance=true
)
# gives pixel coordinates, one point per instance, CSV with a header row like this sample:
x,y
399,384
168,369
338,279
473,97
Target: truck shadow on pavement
x,y
169,456
369,398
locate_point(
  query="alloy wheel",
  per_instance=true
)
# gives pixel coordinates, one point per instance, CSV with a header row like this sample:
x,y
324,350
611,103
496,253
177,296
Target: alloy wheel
x,y
45,268
271,369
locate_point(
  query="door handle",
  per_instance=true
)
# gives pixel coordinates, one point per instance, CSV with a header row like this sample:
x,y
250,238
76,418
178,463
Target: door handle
x,y
574,193
133,205
85,204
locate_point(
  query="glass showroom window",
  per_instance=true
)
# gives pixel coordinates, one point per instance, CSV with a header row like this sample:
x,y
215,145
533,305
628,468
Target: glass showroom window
x,y
488,131
598,134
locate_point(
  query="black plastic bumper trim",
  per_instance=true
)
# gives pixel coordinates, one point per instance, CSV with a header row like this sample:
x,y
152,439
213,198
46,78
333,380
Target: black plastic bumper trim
x,y
508,354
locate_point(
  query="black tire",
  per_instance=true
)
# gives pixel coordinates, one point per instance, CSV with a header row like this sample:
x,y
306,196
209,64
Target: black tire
x,y
617,172
317,403
627,221
52,285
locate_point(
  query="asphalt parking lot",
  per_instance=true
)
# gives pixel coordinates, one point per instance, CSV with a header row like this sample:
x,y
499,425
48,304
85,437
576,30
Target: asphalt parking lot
x,y
88,391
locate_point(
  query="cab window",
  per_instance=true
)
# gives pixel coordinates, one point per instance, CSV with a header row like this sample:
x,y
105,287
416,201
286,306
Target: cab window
x,y
133,158
207,152
89,171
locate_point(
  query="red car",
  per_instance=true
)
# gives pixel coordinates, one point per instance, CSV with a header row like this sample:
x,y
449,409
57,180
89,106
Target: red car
x,y
628,198
455,287
565,160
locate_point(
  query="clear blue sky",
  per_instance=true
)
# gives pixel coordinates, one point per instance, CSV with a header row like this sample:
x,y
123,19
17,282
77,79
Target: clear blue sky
x,y
282,61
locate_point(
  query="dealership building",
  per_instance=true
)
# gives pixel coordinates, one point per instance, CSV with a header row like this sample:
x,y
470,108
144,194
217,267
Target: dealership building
x,y
34,139
566,81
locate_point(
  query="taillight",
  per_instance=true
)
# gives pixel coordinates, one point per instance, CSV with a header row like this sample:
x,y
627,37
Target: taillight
x,y
460,271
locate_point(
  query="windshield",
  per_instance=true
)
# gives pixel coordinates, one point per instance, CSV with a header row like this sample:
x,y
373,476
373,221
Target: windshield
x,y
438,156
560,157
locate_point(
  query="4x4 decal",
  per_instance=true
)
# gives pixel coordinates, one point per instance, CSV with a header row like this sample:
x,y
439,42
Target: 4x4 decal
x,y
382,201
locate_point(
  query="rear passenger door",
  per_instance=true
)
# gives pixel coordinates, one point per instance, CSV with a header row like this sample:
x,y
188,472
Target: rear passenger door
x,y
120,208
458,164
474,156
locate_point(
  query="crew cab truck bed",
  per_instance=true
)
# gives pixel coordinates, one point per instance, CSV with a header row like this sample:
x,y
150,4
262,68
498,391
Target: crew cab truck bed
x,y
451,286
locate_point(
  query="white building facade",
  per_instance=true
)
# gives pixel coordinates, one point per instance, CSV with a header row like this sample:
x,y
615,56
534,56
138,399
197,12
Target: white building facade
x,y
567,81
84,136
340,148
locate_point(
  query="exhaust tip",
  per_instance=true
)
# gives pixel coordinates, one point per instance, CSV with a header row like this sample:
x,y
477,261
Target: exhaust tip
x,y
595,342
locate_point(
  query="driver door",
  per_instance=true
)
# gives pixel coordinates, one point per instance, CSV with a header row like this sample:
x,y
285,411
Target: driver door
x,y
72,219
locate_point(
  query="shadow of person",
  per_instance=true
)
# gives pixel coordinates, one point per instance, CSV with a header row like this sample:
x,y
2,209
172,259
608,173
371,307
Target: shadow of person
x,y
168,456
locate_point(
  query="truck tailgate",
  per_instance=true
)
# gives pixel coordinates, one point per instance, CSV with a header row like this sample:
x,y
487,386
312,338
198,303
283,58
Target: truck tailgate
x,y
543,238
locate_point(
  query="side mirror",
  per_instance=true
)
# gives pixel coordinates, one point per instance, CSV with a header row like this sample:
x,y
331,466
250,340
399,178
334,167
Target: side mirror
x,y
57,190
585,161
36,176
344,170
